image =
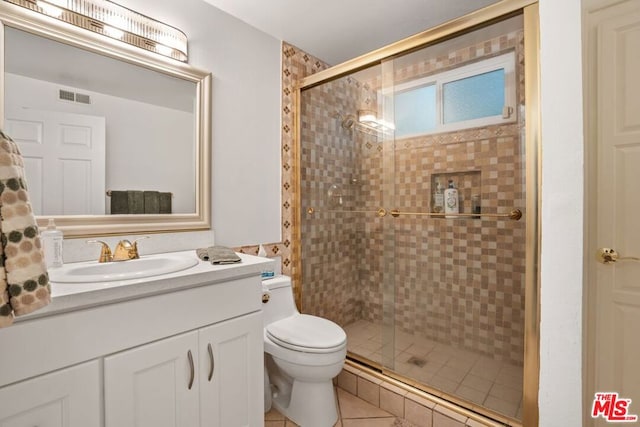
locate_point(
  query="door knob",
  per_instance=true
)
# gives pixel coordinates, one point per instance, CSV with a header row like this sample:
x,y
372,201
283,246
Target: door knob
x,y
609,255
606,255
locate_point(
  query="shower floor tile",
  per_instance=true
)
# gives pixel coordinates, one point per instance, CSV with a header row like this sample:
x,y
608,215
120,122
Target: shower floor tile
x,y
474,377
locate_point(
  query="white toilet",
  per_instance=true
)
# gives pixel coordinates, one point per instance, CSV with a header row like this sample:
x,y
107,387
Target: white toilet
x,y
302,356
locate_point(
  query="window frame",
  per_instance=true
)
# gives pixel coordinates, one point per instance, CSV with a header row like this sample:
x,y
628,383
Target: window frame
x,y
505,61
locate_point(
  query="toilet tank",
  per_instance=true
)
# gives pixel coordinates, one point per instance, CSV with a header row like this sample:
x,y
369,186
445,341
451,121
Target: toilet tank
x,y
281,303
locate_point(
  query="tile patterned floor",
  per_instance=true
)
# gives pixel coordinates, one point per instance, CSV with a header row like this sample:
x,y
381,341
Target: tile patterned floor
x,y
353,412
477,378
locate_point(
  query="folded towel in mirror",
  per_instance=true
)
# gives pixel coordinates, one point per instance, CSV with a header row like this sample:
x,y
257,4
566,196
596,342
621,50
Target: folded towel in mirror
x,y
119,202
164,201
132,202
136,201
218,255
151,202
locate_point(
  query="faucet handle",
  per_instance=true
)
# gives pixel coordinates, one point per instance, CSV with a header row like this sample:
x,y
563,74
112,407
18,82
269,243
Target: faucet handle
x,y
105,252
135,245
126,250
135,242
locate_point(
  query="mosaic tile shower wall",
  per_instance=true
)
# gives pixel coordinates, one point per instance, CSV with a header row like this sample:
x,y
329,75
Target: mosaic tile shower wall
x,y
458,281
330,272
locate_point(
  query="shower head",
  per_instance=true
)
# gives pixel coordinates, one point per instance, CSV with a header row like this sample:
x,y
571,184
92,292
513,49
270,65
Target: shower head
x,y
348,122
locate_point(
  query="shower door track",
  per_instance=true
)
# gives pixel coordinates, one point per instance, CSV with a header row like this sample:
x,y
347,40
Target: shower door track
x,y
473,410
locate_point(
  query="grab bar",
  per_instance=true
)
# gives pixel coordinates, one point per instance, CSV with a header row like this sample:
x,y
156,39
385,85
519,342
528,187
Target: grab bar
x,y
515,214
380,212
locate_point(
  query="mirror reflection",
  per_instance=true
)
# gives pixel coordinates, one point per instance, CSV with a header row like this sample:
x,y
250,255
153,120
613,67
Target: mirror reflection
x,y
98,135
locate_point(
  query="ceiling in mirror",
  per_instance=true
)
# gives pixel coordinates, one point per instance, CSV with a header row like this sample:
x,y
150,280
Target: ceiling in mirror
x,y
111,136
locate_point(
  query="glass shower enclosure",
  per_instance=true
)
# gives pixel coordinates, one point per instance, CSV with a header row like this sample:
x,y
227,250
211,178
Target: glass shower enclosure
x,y
429,283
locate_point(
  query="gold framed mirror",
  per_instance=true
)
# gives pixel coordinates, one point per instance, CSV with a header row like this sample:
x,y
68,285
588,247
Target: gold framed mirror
x,y
140,125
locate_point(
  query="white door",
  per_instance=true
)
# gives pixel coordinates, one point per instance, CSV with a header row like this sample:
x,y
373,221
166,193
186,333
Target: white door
x,y
154,385
232,373
64,156
66,398
614,93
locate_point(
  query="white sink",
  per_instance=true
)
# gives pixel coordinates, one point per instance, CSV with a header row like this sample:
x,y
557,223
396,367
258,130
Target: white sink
x,y
146,266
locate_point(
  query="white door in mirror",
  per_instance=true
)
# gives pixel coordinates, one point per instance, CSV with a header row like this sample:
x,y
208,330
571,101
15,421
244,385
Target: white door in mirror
x,y
70,148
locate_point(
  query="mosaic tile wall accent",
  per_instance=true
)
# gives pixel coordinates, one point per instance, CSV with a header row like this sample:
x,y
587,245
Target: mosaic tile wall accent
x,y
458,281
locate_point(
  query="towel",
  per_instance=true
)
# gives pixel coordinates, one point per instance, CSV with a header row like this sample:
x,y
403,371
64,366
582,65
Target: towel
x,y
218,255
136,201
151,202
119,202
24,282
164,200
140,202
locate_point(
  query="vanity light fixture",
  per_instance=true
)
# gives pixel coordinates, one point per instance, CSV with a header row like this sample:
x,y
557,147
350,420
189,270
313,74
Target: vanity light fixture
x,y
114,21
369,119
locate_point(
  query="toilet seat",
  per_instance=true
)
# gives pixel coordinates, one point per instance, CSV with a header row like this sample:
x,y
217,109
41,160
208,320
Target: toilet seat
x,y
307,333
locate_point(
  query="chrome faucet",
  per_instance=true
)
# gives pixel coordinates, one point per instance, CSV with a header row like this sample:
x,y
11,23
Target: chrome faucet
x,y
124,251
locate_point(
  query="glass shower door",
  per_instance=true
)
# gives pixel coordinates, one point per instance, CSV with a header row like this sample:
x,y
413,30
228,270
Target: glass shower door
x,y
343,234
433,298
454,181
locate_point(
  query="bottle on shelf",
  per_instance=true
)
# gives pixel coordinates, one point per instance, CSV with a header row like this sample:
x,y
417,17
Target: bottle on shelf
x,y
451,200
438,198
475,205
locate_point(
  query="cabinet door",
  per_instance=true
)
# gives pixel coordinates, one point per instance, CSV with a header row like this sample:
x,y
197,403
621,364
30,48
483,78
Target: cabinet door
x,y
66,398
148,386
232,373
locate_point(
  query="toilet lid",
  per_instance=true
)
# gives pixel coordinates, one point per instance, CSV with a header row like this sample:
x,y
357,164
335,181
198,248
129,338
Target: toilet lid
x,y
307,333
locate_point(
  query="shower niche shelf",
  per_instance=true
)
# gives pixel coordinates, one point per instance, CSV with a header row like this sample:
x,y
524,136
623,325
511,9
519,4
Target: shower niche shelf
x,y
469,185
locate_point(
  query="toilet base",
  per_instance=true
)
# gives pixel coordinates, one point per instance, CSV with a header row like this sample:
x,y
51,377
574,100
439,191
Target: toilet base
x,y
309,404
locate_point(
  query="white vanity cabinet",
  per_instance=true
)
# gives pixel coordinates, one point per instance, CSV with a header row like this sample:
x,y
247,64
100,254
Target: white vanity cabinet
x,y
153,385
232,373
184,350
69,397
211,377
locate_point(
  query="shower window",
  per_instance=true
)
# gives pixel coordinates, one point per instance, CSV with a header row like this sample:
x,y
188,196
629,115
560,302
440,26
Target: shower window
x,y
415,111
479,94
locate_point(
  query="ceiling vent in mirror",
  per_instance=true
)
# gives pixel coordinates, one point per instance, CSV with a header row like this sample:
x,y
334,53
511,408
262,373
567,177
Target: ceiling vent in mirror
x,y
67,95
114,21
82,98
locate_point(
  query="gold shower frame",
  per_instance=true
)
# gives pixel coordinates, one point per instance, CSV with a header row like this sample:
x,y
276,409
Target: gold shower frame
x,y
489,14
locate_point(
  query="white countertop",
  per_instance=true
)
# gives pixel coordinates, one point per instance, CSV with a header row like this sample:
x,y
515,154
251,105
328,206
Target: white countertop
x,y
74,296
